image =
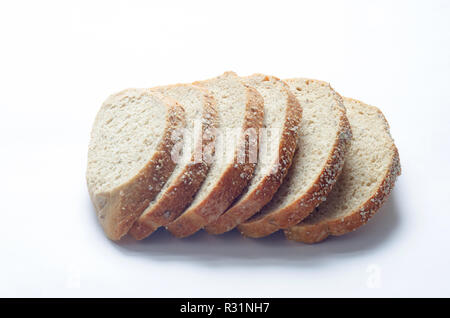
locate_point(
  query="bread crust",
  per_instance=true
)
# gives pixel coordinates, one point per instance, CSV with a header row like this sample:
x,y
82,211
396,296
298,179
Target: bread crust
x,y
266,224
119,208
182,190
313,233
232,182
253,202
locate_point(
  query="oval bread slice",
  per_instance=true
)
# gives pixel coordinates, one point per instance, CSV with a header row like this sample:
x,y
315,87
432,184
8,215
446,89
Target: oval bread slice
x,y
277,144
129,155
191,168
240,108
371,167
324,135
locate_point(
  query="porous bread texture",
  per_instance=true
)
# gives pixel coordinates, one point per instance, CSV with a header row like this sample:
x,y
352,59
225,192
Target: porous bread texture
x,y
277,144
129,155
371,167
118,123
191,168
240,108
323,140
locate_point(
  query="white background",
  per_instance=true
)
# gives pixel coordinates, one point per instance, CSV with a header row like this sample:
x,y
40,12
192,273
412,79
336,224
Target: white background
x,y
59,61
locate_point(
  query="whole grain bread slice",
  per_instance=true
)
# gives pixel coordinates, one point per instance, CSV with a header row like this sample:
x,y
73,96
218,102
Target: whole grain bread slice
x,y
192,166
323,140
277,144
129,157
371,167
240,109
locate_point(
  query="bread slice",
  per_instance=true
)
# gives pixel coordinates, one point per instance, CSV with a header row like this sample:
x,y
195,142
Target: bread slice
x,y
129,155
191,168
277,144
371,167
324,135
240,108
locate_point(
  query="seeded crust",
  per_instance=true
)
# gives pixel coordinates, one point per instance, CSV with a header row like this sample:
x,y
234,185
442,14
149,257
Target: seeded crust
x,y
119,208
181,191
233,180
313,233
268,223
252,202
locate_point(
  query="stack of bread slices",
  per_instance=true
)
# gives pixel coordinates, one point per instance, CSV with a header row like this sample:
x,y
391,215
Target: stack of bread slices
x,y
253,153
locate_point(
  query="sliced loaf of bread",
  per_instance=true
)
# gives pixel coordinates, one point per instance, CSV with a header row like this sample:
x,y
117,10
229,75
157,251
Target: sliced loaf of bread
x,y
240,108
324,135
277,144
192,166
371,167
129,155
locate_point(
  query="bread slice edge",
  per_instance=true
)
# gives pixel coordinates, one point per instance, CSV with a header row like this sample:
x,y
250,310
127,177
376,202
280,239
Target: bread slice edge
x,y
119,208
314,233
181,191
253,202
230,184
264,225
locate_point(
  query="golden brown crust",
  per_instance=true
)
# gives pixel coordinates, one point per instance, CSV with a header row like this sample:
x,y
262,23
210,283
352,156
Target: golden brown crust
x,y
182,190
313,233
263,193
234,179
266,224
123,205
